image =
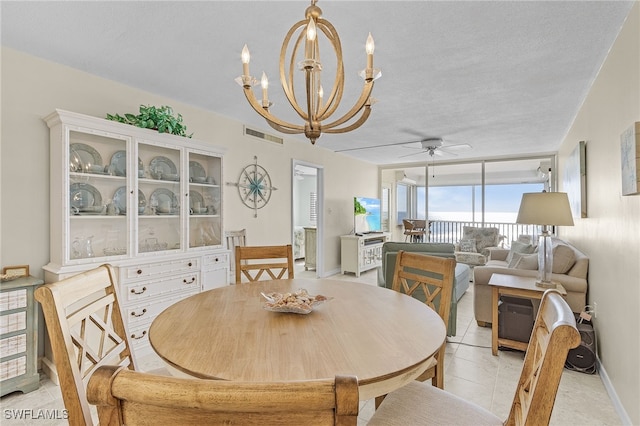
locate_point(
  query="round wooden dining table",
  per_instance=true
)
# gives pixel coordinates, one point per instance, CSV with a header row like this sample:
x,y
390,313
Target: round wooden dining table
x,y
383,337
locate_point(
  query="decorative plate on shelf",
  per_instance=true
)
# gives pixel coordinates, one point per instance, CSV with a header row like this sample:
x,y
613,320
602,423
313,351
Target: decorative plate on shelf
x,y
84,158
164,201
162,168
120,200
197,172
118,165
195,199
84,197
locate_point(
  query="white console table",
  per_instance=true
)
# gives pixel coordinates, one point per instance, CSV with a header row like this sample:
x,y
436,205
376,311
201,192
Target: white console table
x,y
360,253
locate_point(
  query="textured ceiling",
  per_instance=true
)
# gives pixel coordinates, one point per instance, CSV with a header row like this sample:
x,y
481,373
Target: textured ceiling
x,y
507,78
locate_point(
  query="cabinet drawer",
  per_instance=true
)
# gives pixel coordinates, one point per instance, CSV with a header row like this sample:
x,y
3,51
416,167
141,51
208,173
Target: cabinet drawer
x,y
13,345
146,312
215,261
13,322
161,286
161,268
13,368
13,300
139,336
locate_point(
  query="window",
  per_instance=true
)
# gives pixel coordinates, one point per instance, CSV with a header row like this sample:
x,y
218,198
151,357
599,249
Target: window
x,y
313,207
402,202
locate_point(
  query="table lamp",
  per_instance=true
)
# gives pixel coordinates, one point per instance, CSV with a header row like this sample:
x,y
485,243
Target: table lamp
x,y
546,209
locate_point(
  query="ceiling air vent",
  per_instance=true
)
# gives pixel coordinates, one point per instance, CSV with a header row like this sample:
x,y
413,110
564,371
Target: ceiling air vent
x,y
261,135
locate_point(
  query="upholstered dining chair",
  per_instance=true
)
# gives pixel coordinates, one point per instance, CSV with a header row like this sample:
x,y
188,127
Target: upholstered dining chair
x,y
128,397
554,334
253,261
429,279
86,331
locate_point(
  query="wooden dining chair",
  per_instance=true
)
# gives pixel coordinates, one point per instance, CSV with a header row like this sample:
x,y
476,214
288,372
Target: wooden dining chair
x,y
253,261
132,398
234,239
86,331
554,334
429,279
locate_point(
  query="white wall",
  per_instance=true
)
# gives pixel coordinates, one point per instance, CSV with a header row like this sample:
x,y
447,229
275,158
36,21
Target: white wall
x,y
610,235
302,196
33,88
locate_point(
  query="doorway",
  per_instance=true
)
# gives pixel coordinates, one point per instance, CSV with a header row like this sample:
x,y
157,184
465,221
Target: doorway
x,y
307,199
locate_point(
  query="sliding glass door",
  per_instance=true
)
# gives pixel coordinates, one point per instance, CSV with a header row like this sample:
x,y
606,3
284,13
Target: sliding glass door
x,y
454,195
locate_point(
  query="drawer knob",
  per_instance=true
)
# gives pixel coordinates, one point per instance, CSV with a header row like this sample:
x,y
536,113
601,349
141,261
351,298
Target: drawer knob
x,y
139,271
144,333
144,311
193,279
134,291
189,264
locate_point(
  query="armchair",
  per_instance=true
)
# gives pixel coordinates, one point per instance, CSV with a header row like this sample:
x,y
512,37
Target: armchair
x,y
473,247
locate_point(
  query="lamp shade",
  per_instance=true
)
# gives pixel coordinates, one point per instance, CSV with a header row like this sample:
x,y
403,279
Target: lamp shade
x,y
545,208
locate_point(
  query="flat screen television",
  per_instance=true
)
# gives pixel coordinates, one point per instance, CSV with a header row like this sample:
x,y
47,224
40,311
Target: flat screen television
x,y
366,213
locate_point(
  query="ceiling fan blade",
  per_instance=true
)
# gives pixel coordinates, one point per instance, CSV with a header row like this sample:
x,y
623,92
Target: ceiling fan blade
x,y
441,151
457,146
412,154
376,146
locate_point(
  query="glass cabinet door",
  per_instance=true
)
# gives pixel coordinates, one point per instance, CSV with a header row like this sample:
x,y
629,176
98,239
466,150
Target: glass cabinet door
x,y
98,225
204,197
159,199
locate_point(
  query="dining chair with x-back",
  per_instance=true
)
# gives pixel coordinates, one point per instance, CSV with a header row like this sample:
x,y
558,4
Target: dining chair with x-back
x,y
86,331
554,334
264,262
430,280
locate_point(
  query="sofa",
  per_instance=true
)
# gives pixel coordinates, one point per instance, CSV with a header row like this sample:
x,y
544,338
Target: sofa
x,y
460,284
570,267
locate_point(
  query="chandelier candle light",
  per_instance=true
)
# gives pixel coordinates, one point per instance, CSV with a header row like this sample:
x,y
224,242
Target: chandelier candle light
x,y
546,209
315,109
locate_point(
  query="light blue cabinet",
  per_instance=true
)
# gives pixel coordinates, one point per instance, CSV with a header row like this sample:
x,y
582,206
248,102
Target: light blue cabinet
x,y
19,335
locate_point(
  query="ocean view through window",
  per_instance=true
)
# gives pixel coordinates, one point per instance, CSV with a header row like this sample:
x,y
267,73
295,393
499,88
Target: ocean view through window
x,y
453,195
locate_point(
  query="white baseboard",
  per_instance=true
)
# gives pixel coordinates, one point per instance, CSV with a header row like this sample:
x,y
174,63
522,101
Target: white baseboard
x,y
617,405
332,272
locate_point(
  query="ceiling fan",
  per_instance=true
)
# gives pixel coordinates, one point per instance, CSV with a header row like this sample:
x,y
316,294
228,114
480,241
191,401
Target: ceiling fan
x,y
436,146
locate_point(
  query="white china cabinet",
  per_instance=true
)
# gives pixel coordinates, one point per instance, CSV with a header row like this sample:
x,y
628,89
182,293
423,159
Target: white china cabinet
x,y
148,203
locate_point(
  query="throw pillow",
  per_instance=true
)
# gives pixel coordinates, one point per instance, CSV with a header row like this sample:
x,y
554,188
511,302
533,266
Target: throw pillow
x,y
468,245
563,259
518,247
524,261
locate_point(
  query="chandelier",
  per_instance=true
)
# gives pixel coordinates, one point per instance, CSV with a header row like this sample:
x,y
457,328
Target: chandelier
x,y
305,53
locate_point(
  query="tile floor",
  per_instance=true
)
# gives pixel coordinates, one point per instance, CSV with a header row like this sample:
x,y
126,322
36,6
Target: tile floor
x,y
471,372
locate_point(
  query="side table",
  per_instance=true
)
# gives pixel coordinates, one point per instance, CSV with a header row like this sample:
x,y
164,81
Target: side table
x,y
512,285
19,335
309,248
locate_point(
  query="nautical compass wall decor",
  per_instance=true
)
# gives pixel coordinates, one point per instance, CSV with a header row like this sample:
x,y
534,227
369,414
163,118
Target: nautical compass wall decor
x,y
254,186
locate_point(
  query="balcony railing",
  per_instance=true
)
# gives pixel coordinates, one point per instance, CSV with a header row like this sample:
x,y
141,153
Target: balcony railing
x,y
443,231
